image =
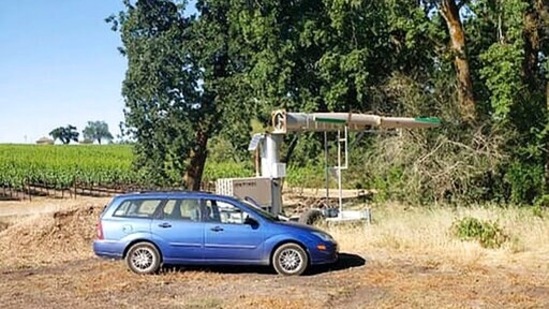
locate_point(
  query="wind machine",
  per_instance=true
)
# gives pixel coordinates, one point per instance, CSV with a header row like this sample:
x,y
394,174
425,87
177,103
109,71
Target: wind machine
x,y
265,189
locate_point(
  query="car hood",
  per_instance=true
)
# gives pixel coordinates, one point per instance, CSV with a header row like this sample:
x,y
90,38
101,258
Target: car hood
x,y
300,226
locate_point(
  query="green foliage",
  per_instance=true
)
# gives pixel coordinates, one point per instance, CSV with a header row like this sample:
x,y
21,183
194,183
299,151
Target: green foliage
x,y
502,61
98,131
158,89
62,166
387,185
542,201
216,170
196,84
526,182
540,206
91,165
65,134
179,87
537,211
222,150
310,176
488,233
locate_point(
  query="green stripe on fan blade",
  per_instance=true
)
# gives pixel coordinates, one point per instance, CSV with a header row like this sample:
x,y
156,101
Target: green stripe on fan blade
x,y
432,120
330,120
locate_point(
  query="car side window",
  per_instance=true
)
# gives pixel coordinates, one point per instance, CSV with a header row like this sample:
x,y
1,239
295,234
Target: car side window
x,y
182,209
137,208
226,213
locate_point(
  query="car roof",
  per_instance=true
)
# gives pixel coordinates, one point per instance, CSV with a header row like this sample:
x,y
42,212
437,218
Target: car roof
x,y
168,194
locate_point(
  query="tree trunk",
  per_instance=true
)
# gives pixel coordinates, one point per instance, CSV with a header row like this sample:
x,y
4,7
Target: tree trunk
x,y
450,12
193,174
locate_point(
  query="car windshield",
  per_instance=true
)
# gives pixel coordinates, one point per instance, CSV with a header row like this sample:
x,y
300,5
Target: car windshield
x,y
265,214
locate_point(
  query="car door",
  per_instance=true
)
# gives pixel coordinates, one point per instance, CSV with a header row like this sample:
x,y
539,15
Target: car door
x,y
228,237
180,230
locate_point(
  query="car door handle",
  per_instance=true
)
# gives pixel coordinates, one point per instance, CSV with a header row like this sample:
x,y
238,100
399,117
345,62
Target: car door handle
x,y
217,229
165,225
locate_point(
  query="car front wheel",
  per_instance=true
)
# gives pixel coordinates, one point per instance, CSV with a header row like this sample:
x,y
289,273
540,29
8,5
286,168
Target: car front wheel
x,y
290,260
143,258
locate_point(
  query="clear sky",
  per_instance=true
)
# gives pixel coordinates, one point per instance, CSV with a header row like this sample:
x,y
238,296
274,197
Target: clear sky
x,y
58,65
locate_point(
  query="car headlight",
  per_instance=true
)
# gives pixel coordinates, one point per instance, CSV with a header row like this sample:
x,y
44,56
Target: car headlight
x,y
324,236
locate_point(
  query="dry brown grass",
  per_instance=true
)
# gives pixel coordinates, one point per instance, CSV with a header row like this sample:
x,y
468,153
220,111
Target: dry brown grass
x,y
274,302
420,234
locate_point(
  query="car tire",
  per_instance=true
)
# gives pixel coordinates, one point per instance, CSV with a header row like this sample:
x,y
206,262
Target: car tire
x,y
290,259
143,258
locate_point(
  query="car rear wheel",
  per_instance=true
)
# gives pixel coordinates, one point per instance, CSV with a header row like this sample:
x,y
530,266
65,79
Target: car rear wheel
x,y
143,258
290,260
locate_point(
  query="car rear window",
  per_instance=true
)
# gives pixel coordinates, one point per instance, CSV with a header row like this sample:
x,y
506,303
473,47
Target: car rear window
x,y
141,208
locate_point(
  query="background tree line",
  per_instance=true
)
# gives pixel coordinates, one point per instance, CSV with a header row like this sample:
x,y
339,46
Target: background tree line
x,y
200,81
94,131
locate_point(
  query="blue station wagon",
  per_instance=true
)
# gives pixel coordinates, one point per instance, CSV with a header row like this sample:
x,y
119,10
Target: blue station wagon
x,y
148,230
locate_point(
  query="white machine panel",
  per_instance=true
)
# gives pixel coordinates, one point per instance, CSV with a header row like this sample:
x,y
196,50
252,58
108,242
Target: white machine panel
x,y
258,188
278,170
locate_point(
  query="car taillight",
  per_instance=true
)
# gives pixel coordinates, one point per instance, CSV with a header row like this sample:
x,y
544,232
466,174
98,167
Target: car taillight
x,y
99,230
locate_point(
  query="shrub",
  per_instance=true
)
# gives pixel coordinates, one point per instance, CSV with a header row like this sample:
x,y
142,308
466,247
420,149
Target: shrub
x,y
309,176
537,211
526,182
540,205
488,233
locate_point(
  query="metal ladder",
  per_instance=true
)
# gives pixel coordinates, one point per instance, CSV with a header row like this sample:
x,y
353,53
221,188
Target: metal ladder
x,y
342,154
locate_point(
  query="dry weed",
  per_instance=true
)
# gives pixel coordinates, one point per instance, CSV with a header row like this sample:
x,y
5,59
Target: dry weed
x,y
424,234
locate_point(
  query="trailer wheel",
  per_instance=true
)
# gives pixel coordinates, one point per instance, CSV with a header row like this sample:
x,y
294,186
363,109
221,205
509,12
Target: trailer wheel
x,y
311,216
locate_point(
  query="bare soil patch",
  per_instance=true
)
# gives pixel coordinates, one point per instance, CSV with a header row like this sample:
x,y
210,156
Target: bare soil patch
x,y
94,283
405,260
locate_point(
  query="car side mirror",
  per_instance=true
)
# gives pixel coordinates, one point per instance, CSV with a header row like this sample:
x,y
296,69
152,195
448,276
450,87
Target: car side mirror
x,y
251,221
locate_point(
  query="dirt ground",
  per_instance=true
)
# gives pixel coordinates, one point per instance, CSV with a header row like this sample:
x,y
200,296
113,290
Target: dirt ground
x,y
46,262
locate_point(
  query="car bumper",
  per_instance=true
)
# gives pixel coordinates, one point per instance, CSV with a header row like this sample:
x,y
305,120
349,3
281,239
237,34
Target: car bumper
x,y
108,249
328,256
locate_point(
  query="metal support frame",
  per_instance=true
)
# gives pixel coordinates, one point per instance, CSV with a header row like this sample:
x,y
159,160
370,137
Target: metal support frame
x,y
327,168
341,167
342,154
